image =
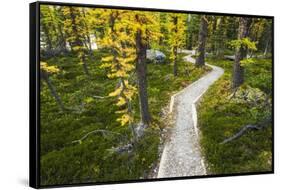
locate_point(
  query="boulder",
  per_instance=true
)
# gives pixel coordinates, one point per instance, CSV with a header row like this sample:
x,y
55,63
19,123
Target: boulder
x,y
155,55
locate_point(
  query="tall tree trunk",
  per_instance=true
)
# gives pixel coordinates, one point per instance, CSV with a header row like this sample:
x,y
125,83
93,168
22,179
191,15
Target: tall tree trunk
x,y
175,50
200,60
141,75
241,52
52,89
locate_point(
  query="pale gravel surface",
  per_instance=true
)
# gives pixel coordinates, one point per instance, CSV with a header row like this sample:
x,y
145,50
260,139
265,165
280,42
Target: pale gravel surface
x,y
181,155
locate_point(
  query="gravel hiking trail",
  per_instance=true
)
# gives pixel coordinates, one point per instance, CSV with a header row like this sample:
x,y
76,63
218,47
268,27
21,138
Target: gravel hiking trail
x,y
182,155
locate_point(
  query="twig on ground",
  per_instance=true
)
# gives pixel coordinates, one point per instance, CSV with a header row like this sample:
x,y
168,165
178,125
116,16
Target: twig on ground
x,y
242,131
103,132
100,97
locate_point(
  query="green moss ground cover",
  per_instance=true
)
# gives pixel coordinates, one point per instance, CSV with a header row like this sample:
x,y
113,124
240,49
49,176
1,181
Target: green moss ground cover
x,y
92,160
220,118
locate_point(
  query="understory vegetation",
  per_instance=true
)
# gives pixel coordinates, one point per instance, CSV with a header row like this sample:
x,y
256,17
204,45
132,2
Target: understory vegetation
x,y
107,76
221,115
88,108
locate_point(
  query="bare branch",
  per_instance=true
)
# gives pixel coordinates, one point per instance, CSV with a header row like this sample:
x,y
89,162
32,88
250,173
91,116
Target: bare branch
x,y
103,132
100,97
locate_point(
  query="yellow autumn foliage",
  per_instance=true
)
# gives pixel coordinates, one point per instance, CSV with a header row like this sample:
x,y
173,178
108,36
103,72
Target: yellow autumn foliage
x,y
49,69
125,119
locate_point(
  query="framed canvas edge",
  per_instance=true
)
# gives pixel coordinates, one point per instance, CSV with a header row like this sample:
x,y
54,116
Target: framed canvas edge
x,y
34,94
34,103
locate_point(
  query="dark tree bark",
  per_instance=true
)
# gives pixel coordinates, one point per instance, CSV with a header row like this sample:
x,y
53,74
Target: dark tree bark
x,y
44,75
141,75
241,52
200,60
175,21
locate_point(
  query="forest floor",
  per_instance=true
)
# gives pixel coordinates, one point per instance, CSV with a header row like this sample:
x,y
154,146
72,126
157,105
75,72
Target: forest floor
x,y
182,154
220,117
64,162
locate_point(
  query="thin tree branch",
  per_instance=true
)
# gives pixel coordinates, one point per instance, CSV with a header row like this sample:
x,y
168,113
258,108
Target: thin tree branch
x,y
242,131
100,97
103,132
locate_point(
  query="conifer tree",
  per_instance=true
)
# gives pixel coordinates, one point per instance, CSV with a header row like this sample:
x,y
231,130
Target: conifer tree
x,y
120,63
146,29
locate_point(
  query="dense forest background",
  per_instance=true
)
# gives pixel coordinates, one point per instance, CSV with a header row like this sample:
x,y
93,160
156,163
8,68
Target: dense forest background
x,y
103,102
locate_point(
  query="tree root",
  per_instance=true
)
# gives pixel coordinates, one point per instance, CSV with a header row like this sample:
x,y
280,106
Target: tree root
x,y
242,131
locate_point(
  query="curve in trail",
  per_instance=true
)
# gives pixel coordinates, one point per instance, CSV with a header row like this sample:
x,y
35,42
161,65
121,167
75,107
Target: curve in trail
x,y
181,155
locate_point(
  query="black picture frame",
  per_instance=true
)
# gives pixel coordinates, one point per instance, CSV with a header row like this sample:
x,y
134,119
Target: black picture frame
x,y
34,93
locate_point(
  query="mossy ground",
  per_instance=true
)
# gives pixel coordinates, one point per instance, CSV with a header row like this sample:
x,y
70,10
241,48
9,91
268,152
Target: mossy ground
x,y
220,118
63,162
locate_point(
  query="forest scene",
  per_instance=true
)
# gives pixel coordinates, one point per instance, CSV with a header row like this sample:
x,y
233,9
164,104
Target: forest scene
x,y
132,95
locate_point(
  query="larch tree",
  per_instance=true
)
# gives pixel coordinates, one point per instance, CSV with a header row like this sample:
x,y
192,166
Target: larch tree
x,y
76,31
144,25
176,39
120,63
200,60
242,44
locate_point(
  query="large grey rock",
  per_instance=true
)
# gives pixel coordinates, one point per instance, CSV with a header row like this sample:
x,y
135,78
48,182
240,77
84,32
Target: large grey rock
x,y
155,55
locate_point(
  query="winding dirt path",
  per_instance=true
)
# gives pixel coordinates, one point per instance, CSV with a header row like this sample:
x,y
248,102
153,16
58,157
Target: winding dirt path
x,y
181,155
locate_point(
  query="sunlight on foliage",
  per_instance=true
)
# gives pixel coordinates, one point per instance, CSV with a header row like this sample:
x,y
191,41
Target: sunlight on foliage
x,y
243,43
49,69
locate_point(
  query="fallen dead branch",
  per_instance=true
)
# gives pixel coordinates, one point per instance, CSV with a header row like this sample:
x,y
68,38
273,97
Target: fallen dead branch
x,y
242,131
103,132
